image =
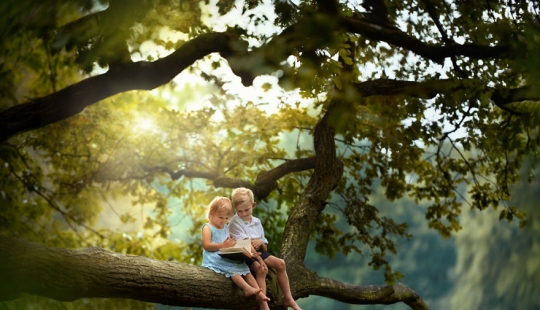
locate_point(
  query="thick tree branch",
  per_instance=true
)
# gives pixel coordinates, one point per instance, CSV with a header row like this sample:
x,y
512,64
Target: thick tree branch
x,y
135,76
425,90
68,275
372,294
503,97
327,173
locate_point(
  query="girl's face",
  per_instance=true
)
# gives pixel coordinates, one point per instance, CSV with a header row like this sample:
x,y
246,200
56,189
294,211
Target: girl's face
x,y
245,210
219,219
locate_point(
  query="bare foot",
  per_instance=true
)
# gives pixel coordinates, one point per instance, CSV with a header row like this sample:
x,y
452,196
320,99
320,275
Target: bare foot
x,y
292,304
251,291
261,297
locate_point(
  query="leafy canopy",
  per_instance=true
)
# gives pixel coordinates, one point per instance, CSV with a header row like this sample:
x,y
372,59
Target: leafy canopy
x,y
435,100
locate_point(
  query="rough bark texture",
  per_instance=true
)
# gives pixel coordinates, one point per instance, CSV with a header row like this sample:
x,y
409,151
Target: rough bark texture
x,y
68,275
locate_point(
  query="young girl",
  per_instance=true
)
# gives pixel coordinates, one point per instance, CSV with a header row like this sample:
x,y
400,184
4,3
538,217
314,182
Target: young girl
x,y
215,236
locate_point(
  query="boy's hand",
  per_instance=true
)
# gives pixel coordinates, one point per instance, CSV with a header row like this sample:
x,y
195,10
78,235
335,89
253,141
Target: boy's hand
x,y
257,244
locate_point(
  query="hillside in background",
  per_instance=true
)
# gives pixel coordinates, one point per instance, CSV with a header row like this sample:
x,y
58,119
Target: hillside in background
x,y
488,265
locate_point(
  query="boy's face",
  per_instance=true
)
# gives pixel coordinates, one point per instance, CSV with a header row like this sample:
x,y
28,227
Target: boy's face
x,y
244,211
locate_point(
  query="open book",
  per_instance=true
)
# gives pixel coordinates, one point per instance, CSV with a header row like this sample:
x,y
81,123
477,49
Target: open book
x,y
240,251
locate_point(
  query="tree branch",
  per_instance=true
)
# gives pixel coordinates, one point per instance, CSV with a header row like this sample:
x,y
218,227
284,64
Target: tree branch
x,y
142,75
372,294
327,173
435,18
503,97
436,53
135,76
175,175
265,183
68,275
431,88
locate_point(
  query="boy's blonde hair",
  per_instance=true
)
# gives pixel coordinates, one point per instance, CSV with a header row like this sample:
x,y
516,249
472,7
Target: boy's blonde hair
x,y
241,196
219,204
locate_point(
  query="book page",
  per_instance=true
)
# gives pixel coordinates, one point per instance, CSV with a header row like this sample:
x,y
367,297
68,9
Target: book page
x,y
239,246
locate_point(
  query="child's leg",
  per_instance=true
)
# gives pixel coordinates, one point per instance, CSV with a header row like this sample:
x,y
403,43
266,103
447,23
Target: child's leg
x,y
283,280
251,281
260,275
261,297
249,290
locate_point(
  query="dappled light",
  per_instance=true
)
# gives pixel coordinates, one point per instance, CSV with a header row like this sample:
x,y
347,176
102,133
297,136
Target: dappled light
x,y
392,148
143,125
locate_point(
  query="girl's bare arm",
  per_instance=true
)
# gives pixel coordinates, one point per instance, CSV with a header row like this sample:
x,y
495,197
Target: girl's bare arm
x,y
209,245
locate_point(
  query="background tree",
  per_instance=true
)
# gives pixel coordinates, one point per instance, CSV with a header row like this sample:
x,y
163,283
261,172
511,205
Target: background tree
x,y
428,100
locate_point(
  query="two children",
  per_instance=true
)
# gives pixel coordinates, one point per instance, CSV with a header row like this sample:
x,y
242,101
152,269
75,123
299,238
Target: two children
x,y
215,236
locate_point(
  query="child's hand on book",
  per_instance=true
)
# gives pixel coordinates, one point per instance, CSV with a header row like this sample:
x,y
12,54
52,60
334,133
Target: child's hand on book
x,y
229,242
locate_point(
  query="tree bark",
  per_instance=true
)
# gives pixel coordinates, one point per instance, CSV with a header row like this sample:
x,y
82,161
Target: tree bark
x,y
68,275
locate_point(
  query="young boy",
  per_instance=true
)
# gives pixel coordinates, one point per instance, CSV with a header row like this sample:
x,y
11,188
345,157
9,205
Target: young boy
x,y
244,225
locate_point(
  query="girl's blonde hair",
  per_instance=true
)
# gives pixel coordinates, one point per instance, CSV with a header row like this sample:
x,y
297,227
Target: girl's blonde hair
x,y
219,204
241,196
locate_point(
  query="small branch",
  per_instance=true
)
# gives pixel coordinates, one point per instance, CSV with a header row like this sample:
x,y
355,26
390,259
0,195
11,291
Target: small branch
x,y
433,14
431,88
265,183
177,174
436,53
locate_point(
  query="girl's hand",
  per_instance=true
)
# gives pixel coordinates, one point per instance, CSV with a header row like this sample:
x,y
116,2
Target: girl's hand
x,y
229,242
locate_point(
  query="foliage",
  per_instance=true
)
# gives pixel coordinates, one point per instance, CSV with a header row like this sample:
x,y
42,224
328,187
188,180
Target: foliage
x,y
434,101
503,256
